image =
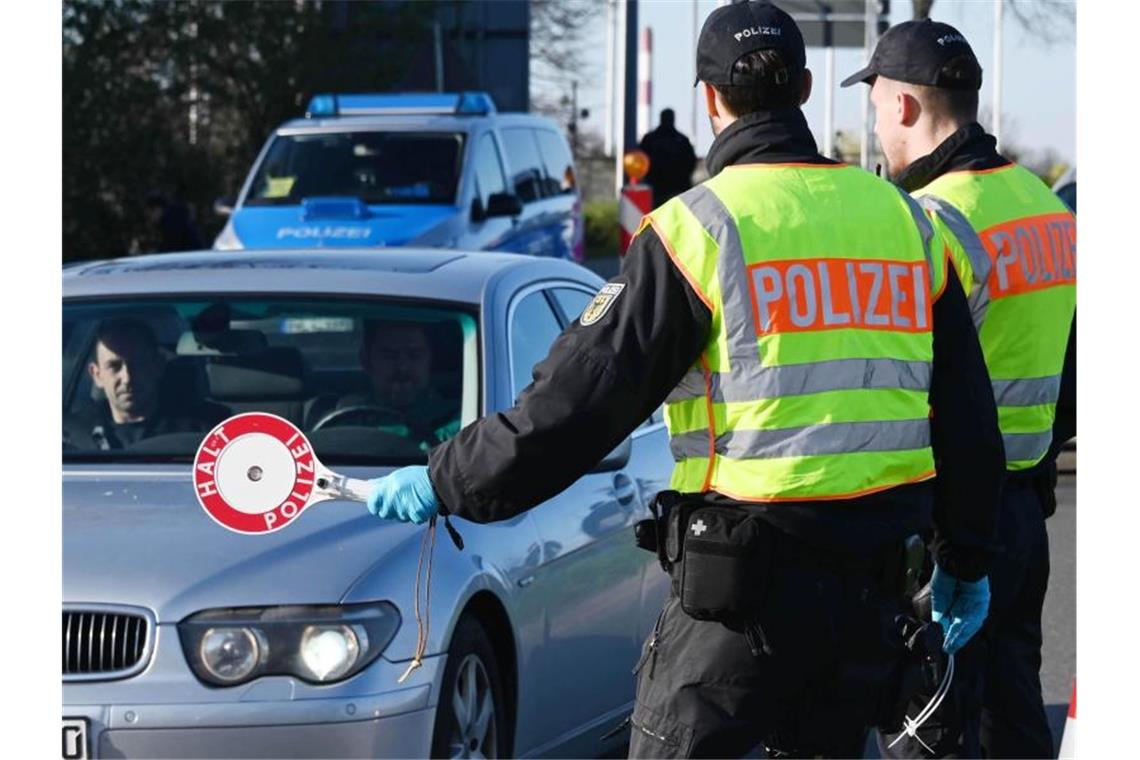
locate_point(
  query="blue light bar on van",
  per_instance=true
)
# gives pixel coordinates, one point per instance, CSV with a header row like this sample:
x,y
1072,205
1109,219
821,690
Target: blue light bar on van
x,y
369,104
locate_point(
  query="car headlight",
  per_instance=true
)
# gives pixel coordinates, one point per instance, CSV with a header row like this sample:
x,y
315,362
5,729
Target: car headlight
x,y
328,652
227,239
229,655
316,644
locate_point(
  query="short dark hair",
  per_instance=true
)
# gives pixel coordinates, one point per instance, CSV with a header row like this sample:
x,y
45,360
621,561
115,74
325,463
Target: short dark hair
x,y
774,83
958,104
131,328
374,327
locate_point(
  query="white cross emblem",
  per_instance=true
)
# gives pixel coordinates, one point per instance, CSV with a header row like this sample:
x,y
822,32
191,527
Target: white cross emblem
x,y
699,527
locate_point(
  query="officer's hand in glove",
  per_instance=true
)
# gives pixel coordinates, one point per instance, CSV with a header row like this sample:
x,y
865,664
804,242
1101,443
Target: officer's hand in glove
x,y
960,607
405,495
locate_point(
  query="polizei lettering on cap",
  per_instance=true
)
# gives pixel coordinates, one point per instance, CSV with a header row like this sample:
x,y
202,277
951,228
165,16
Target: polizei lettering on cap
x,y
824,294
757,31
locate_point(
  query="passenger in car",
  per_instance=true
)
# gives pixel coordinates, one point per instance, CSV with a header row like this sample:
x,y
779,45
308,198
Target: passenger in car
x,y
397,358
127,365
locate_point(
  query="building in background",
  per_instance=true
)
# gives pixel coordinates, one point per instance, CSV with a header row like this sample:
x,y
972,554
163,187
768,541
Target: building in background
x,y
472,45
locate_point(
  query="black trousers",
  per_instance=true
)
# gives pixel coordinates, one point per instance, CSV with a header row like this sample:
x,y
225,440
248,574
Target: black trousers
x,y
701,692
995,707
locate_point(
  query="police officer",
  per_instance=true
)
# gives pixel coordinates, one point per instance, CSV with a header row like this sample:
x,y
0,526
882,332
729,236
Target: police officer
x,y
1013,246
816,359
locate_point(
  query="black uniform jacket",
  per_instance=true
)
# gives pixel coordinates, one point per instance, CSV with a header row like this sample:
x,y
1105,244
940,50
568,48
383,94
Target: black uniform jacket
x,y
970,148
601,381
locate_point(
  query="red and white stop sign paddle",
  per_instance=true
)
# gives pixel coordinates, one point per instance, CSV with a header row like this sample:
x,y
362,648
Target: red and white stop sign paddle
x,y
256,472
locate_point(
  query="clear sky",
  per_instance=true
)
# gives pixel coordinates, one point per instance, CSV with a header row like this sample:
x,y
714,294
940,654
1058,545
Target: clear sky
x,y
1039,81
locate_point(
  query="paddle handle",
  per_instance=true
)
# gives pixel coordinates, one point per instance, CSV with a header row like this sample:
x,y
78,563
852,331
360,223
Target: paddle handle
x,y
347,489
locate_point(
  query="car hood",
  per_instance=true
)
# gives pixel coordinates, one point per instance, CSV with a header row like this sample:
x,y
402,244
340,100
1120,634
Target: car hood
x,y
140,537
336,223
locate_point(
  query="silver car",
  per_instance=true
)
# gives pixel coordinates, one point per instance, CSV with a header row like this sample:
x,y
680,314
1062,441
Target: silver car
x,y
181,638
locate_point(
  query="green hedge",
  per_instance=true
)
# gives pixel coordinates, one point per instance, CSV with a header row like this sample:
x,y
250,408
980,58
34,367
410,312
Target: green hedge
x,y
601,228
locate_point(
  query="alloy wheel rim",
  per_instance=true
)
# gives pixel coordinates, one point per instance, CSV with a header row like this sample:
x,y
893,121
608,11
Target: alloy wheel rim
x,y
473,712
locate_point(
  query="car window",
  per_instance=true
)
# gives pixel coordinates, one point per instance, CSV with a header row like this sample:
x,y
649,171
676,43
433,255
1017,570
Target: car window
x,y
533,329
560,177
488,168
1068,195
376,167
369,381
572,301
527,173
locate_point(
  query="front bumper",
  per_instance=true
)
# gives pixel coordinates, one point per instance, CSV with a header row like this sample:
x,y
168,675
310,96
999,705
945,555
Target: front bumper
x,y
405,735
166,712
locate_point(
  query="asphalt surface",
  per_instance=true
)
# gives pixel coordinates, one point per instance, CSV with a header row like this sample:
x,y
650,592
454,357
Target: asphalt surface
x,y
1059,621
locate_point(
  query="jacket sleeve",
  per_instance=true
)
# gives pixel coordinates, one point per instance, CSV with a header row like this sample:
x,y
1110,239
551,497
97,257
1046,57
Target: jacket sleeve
x,y
598,383
967,443
1065,422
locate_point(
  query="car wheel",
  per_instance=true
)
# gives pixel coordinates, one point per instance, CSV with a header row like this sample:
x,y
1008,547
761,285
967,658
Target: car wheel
x,y
470,718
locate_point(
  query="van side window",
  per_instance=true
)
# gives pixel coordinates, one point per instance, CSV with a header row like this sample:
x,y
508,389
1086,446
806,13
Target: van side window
x,y
560,177
526,164
488,170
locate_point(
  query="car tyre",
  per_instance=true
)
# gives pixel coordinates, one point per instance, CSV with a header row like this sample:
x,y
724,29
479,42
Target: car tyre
x,y
470,719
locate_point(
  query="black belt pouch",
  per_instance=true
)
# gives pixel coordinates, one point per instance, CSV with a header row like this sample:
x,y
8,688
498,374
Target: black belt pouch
x,y
725,563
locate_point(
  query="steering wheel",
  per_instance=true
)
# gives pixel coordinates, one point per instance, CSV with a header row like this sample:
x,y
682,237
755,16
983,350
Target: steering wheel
x,y
360,414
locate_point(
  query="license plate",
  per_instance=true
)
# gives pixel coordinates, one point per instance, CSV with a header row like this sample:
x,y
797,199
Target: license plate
x,y
75,739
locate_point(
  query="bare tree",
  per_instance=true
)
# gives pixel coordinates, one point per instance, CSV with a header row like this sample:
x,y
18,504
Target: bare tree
x,y
1049,21
559,37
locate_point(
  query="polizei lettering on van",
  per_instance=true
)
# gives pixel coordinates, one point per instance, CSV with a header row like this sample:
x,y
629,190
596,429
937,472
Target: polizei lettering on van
x,y
823,294
326,232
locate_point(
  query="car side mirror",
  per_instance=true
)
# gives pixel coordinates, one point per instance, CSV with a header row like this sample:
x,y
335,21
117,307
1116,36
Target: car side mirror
x,y
617,458
503,204
224,205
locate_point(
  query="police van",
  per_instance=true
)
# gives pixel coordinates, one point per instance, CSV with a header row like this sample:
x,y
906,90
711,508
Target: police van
x,y
435,170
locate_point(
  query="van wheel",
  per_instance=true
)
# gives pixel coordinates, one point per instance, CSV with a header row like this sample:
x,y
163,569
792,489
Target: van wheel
x,y
470,718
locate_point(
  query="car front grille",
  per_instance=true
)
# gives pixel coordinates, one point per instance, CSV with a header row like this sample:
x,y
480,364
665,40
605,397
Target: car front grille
x,y
103,643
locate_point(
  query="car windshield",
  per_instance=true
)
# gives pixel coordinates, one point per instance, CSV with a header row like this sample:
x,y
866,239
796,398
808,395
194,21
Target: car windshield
x,y
369,381
376,167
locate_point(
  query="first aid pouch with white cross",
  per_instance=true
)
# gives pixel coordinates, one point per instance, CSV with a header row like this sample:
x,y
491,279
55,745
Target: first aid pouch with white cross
x,y
725,562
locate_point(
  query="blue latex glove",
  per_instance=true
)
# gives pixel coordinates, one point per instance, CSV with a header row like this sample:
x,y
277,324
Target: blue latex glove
x,y
960,607
405,495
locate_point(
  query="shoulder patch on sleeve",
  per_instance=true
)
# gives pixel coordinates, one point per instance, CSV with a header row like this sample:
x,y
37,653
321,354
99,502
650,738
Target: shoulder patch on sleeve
x,y
601,303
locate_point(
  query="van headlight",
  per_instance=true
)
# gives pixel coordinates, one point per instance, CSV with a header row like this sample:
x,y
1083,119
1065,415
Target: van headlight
x,y
227,239
320,645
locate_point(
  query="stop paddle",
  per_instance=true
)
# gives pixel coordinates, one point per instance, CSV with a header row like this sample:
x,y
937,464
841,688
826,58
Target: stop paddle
x,y
256,473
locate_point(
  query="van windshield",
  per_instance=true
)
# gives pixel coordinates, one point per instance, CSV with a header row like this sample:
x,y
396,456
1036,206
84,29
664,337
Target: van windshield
x,y
376,167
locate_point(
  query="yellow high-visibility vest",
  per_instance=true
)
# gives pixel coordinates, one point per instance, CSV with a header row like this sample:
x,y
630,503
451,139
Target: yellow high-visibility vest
x,y
815,378
1020,272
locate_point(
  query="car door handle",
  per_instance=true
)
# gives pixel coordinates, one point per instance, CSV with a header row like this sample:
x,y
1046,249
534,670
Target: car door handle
x,y
625,490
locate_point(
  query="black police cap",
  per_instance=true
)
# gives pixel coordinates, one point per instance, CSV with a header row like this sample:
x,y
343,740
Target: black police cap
x,y
735,30
917,52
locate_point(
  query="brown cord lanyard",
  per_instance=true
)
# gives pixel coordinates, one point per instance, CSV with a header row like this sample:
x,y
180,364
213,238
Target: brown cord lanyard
x,y
423,625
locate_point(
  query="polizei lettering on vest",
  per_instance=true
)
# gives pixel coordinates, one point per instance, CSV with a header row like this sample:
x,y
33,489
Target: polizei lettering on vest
x,y
822,294
1031,254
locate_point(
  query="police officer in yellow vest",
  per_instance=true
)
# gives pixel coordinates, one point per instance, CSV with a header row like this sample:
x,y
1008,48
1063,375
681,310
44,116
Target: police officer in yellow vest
x,y
1013,244
817,361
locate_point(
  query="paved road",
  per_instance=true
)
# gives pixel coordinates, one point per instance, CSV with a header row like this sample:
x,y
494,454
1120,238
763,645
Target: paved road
x,y
1059,658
